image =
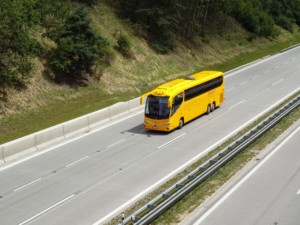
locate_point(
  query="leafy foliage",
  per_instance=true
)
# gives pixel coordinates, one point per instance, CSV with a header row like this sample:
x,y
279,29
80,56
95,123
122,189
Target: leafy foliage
x,y
166,20
124,45
16,43
52,15
79,49
162,23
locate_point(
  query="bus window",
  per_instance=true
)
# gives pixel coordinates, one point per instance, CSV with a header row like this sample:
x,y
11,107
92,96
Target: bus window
x,y
157,107
177,102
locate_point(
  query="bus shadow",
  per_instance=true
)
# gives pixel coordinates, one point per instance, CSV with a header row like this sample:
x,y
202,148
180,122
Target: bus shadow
x,y
139,129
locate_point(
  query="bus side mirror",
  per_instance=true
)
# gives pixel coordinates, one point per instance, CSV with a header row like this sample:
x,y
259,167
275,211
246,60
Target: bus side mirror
x,y
142,98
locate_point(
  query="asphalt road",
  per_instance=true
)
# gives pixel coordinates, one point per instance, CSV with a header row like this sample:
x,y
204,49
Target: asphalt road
x,y
96,176
268,194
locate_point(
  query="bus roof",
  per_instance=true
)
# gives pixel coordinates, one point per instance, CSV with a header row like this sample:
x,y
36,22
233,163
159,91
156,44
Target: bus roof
x,y
178,85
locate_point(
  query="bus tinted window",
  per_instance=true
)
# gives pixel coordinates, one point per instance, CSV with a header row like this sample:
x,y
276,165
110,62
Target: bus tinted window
x,y
157,107
202,88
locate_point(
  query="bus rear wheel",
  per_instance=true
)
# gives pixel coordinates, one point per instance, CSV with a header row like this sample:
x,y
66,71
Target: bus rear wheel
x,y
181,123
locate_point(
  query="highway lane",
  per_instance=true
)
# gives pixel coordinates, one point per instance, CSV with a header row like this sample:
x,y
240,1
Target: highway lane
x,y
93,177
267,194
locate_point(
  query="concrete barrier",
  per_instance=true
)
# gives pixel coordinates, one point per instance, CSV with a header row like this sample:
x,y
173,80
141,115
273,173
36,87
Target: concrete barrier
x,y
99,117
1,155
134,104
118,109
45,138
77,126
49,136
19,147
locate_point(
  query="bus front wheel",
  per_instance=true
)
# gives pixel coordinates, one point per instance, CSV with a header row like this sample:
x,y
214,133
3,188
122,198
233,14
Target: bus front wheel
x,y
208,109
213,106
181,123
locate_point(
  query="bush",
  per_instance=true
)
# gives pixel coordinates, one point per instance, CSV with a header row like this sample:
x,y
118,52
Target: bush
x,y
79,49
284,22
254,19
124,45
17,47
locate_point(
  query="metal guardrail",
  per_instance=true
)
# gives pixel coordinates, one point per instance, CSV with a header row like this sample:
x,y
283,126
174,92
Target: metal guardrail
x,y
169,197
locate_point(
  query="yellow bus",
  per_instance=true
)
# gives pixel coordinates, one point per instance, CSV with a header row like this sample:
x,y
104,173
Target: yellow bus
x,y
176,102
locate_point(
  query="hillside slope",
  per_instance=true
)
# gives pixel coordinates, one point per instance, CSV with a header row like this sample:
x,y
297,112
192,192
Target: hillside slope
x,y
44,103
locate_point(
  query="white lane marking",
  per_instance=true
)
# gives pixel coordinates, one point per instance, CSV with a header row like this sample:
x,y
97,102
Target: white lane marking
x,y
230,89
275,83
243,83
109,146
205,215
48,209
298,193
77,161
161,181
28,184
237,104
171,141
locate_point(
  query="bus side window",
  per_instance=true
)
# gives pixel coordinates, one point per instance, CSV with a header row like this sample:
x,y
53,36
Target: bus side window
x,y
177,102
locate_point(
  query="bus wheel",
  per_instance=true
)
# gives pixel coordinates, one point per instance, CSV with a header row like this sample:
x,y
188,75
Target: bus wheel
x,y
208,109
181,123
213,106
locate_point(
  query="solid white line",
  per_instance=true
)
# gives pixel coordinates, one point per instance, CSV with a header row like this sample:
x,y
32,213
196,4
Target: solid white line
x,y
26,185
35,216
205,215
277,82
76,161
171,141
237,104
109,146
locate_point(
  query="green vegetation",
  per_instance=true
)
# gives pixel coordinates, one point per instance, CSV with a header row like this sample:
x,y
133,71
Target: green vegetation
x,y
67,58
79,48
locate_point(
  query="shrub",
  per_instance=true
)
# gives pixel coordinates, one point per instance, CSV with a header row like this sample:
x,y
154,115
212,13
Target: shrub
x,y
79,49
284,22
124,45
17,47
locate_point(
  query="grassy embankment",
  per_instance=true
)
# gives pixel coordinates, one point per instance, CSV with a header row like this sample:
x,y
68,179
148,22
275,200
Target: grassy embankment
x,y
44,104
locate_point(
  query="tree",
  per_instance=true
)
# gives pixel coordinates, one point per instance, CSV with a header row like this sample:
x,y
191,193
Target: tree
x,y
16,44
79,49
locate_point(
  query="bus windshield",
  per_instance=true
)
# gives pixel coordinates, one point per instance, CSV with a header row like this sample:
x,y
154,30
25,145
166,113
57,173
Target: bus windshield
x,y
157,107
